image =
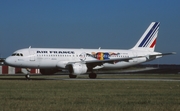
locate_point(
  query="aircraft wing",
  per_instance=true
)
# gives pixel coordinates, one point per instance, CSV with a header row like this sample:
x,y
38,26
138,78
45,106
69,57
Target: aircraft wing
x,y
97,62
125,59
111,60
100,62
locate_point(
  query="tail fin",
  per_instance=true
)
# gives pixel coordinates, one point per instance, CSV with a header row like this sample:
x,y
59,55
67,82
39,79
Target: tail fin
x,y
148,39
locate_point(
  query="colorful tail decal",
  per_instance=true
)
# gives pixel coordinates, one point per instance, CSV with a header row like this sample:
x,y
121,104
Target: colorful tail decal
x,y
148,39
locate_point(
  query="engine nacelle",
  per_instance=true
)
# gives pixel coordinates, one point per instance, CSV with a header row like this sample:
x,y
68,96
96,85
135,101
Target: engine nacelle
x,y
78,68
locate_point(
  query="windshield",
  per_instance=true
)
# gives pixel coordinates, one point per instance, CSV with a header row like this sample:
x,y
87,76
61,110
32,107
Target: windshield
x,y
17,54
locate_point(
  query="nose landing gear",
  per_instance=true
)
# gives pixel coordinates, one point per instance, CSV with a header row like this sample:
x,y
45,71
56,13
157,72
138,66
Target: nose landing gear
x,y
27,73
27,76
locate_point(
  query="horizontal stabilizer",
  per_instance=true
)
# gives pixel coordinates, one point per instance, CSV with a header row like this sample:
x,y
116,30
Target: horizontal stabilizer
x,y
163,54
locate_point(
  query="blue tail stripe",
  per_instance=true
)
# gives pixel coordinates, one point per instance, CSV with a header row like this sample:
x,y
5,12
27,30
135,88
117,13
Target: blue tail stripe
x,y
147,36
151,36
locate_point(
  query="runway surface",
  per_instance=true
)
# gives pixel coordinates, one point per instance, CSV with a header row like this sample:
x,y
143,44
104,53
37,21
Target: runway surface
x,y
101,77
121,79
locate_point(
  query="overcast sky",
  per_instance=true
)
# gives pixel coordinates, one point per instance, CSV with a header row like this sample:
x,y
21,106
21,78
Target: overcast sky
x,y
110,24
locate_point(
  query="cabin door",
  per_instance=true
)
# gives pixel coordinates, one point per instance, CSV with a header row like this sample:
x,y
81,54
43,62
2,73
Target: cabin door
x,y
32,55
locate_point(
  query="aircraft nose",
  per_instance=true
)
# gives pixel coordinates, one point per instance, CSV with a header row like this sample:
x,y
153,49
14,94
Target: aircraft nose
x,y
8,61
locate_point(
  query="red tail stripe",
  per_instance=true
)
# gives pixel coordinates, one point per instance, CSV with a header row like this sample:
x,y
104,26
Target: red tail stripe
x,y
153,44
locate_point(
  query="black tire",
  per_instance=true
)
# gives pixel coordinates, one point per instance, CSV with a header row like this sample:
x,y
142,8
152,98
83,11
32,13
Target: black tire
x,y
92,75
72,76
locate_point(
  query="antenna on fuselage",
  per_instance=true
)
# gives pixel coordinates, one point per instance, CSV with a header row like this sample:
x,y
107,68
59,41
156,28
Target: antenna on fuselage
x,y
99,48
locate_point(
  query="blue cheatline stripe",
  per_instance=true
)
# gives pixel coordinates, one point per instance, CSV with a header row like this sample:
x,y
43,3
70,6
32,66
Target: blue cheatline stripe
x,y
154,31
148,35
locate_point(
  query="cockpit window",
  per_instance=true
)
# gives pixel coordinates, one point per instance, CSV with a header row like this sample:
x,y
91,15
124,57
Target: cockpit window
x,y
17,54
14,54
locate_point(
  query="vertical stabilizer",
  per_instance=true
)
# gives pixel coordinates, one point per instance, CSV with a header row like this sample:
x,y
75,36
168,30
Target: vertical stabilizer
x,y
148,39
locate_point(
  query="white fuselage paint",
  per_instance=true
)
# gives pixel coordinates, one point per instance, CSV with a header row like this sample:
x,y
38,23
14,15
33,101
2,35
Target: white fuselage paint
x,y
59,57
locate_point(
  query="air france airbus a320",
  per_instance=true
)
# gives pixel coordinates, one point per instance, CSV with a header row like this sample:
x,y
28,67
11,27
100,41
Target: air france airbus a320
x,y
81,61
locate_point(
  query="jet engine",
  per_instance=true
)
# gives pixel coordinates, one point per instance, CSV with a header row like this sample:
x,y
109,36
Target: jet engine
x,y
78,68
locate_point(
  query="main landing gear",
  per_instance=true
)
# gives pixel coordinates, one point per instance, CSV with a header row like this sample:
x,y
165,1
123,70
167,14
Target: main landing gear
x,y
92,75
72,76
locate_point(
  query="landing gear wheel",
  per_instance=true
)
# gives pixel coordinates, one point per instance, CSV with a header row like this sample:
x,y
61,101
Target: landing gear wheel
x,y
72,76
27,77
92,75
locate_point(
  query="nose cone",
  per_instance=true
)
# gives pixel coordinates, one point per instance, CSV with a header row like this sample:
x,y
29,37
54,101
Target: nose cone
x,y
9,61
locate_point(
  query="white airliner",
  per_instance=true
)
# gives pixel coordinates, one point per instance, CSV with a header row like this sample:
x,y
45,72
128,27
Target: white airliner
x,y
81,61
